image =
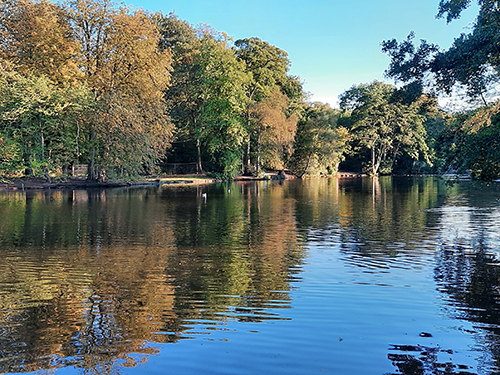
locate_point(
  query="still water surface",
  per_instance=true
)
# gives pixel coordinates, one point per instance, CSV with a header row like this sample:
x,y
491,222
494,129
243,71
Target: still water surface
x,y
361,276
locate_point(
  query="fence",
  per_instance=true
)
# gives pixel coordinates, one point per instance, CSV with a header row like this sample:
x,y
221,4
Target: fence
x,y
80,170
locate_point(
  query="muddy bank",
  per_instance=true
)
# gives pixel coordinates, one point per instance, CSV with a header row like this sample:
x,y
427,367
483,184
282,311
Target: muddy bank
x,y
26,183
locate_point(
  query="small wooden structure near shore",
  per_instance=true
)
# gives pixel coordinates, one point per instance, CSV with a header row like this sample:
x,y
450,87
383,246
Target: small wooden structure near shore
x,y
79,170
348,174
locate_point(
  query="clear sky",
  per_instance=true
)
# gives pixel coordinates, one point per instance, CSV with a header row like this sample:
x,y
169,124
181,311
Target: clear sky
x,y
332,44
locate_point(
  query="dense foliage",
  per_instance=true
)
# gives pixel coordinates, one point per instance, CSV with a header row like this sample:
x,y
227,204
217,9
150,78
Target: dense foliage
x,y
472,64
384,126
128,92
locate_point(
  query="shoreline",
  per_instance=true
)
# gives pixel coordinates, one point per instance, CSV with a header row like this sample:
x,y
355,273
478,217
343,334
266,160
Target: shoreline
x,y
76,183
80,183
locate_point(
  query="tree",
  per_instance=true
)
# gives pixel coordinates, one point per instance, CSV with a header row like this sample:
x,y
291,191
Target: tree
x,y
178,36
474,142
320,143
128,74
267,67
482,151
473,61
183,101
275,131
220,80
37,39
384,126
10,157
39,121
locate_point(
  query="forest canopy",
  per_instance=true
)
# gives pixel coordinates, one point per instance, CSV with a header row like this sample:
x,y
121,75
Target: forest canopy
x,y
128,92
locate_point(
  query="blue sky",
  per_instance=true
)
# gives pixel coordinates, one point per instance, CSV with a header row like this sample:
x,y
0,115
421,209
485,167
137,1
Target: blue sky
x,y
332,44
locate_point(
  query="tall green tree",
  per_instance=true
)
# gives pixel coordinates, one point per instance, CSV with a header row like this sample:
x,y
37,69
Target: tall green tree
x,y
41,120
267,67
384,126
220,80
482,152
473,63
182,96
472,142
320,142
473,60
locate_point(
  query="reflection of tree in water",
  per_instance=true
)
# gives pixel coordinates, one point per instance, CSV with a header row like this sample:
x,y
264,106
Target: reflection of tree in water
x,y
390,217
383,218
468,273
379,217
76,293
88,279
420,360
236,251
468,270
470,276
88,313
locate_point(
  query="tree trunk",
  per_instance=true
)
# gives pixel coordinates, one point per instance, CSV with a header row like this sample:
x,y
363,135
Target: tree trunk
x,y
258,152
46,174
376,159
91,174
394,156
42,141
482,97
76,141
199,168
337,164
307,166
374,167
248,164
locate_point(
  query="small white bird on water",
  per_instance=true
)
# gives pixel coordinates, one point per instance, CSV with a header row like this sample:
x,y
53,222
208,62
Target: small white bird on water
x,y
204,196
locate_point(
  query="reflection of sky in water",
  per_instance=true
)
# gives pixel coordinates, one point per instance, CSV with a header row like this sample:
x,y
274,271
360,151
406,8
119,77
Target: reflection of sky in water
x,y
464,225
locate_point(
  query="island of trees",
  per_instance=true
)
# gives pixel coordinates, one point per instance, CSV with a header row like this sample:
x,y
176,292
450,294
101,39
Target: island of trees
x,y
128,92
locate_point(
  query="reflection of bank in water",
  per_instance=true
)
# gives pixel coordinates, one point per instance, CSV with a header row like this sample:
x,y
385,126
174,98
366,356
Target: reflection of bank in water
x,y
103,272
92,278
420,359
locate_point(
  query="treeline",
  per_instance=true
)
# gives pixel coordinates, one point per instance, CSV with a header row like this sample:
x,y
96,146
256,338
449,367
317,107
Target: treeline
x,y
126,92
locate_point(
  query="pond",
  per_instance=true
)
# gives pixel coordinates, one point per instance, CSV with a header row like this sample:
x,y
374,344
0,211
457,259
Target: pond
x,y
340,276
